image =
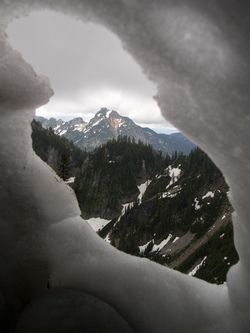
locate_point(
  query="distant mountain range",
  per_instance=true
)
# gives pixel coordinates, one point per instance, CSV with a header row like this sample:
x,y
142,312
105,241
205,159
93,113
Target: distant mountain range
x,y
107,125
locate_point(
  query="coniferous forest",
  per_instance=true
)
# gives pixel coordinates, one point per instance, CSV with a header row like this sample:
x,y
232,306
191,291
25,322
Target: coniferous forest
x,y
190,204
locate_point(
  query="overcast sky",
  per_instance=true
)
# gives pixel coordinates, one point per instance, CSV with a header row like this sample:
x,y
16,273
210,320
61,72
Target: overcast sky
x,y
88,69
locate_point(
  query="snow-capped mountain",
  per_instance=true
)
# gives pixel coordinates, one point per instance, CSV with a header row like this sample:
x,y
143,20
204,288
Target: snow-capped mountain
x,y
106,125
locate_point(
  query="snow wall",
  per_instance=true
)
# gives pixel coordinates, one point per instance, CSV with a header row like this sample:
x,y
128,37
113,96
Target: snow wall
x,y
198,55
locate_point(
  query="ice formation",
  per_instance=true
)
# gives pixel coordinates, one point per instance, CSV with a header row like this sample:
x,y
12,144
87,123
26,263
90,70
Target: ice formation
x,y
198,55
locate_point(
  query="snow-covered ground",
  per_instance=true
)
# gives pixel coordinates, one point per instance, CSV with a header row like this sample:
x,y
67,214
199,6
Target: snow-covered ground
x,y
174,173
176,239
162,244
142,248
70,180
195,270
142,188
97,223
197,204
209,194
156,247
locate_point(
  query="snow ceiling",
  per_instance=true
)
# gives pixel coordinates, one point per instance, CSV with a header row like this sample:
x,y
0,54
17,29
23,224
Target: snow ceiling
x,y
198,55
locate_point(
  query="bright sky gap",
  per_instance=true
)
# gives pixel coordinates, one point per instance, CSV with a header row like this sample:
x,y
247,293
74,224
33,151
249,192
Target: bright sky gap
x,y
87,68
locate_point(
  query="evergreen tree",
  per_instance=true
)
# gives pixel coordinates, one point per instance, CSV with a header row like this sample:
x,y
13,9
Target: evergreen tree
x,y
64,167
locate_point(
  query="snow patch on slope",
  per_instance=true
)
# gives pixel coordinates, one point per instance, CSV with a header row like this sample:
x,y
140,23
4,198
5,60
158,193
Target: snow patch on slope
x,y
97,223
209,194
174,173
162,244
195,270
197,204
156,247
142,188
108,113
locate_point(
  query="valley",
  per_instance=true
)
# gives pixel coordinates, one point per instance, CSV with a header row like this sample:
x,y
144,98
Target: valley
x,y
172,209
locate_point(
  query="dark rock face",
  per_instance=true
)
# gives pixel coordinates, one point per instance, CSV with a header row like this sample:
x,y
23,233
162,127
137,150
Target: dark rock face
x,y
107,125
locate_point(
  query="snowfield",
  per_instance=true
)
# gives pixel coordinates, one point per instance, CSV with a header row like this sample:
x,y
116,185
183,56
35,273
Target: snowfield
x,y
97,223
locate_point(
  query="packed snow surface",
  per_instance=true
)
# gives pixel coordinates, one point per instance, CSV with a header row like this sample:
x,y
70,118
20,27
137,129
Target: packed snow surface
x,y
197,55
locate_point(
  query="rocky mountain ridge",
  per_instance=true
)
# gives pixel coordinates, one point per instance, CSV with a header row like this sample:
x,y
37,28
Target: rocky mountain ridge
x,y
107,125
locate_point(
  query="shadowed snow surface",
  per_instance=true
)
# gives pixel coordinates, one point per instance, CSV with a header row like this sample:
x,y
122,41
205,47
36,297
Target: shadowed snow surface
x,y
197,53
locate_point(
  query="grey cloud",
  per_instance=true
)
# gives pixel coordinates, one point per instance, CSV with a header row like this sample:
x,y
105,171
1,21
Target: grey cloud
x,y
76,55
83,62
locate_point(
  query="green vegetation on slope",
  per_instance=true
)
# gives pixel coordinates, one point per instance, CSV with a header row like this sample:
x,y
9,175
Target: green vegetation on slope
x,y
109,177
59,153
158,216
220,253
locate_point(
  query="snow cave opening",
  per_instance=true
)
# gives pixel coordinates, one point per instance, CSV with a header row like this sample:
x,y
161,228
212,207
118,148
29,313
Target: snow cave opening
x,y
200,106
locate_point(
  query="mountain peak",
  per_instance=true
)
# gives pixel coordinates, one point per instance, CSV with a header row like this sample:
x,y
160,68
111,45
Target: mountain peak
x,y
102,113
109,124
115,115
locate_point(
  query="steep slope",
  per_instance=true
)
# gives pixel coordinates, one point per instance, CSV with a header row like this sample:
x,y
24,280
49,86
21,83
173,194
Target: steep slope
x,y
110,176
58,152
107,125
184,217
174,211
